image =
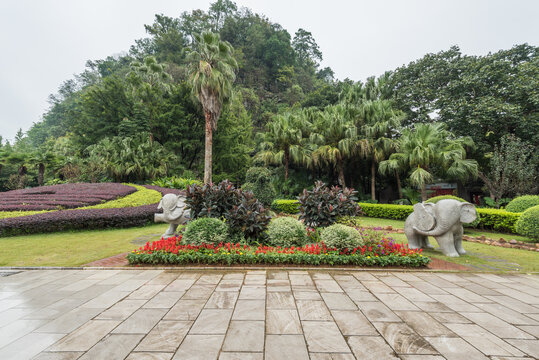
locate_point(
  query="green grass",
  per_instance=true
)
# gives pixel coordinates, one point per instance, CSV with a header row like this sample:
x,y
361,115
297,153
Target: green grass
x,y
71,248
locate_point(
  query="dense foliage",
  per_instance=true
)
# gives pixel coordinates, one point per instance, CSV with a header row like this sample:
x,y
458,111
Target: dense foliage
x,y
205,231
528,223
285,206
522,203
322,206
340,237
286,232
173,251
258,181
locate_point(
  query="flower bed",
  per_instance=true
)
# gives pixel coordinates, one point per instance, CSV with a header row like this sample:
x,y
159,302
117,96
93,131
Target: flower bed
x,y
79,219
66,196
172,251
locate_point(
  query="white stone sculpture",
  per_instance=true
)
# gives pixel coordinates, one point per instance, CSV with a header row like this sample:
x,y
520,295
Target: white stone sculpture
x,y
174,213
443,221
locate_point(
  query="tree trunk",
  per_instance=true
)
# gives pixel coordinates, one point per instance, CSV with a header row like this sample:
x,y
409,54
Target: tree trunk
x,y
423,192
41,174
373,180
208,149
341,172
399,187
286,163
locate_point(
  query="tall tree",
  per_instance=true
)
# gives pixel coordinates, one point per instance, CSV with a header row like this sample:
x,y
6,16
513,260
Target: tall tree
x,y
306,48
212,66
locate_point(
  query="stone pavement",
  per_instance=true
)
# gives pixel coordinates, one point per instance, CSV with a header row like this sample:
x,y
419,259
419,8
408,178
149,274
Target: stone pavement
x,y
267,314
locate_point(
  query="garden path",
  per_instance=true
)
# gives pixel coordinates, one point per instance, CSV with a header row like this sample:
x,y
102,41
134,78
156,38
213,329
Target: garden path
x,y
267,314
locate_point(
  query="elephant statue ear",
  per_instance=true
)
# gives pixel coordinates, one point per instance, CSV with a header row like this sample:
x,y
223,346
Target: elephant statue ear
x,y
468,213
423,218
160,206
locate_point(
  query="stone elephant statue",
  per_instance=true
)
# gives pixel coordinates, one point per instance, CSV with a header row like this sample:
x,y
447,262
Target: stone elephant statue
x,y
174,213
443,221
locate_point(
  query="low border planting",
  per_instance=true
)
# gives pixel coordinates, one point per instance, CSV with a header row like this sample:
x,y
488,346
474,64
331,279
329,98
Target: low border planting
x,y
171,251
285,206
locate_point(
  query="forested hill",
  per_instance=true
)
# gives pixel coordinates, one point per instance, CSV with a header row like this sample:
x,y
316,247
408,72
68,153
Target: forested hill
x,y
121,101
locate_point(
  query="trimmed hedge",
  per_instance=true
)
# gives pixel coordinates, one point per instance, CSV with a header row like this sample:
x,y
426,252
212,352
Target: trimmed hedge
x,y
387,211
205,231
522,203
143,196
435,199
500,220
285,206
528,224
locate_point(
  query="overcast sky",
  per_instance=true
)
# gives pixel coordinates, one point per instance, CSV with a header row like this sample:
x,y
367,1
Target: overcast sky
x,y
44,42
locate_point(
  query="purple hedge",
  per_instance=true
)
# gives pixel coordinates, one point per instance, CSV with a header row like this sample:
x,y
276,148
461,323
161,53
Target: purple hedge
x,y
62,196
82,219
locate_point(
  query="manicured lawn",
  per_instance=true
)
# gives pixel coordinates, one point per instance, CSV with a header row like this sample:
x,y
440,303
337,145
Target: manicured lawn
x,y
72,248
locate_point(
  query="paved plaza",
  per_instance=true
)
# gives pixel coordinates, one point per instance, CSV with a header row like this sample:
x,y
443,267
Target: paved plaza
x,y
267,314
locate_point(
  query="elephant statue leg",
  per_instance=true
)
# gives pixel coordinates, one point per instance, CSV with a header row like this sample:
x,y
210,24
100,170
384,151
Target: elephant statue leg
x,y
170,231
457,235
425,244
414,239
447,244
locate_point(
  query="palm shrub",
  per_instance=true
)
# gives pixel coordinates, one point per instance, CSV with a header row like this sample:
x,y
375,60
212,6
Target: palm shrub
x,y
286,232
528,223
205,231
340,237
322,206
522,203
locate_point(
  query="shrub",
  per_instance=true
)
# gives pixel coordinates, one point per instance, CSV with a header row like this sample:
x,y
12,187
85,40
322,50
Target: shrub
x,y
285,206
205,231
353,221
286,232
340,237
500,220
435,199
528,223
258,181
176,182
387,211
522,203
143,196
243,212
322,206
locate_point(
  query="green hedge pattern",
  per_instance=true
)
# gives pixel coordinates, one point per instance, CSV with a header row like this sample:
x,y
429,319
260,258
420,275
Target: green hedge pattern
x,y
285,206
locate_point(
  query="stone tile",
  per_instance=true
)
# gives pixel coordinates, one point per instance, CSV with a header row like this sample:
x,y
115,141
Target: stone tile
x,y
496,326
324,336
396,302
244,336
514,304
199,347
222,300
433,307
280,300
121,310
424,324
371,348
199,292
241,356
69,321
455,348
86,336
353,323
300,280
29,345
450,317
283,322
185,310
249,310
360,295
393,281
141,322
530,329
164,300
166,336
229,285
530,347
376,287
10,315
327,285
279,347
469,296
279,286
212,321
414,295
278,275
455,303
146,292
321,275
79,285
149,356
18,329
307,295
363,275
253,293
106,300
507,314
376,311
313,310
422,357
211,279
250,280
114,346
484,341
234,276
427,288
58,355
403,339
338,301
164,278
331,356
180,285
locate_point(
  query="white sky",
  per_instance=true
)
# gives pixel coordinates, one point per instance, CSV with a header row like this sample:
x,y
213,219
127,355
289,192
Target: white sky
x,y
44,42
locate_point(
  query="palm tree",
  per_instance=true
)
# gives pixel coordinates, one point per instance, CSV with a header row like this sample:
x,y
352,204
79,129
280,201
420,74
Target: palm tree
x,y
212,66
337,139
41,159
429,147
379,124
281,143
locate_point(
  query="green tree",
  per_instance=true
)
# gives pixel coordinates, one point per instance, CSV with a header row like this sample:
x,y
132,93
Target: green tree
x,y
212,66
306,48
428,148
41,159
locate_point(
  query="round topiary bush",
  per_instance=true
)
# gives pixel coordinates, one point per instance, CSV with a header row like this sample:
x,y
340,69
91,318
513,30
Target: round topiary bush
x,y
286,232
528,223
435,199
341,237
522,203
205,231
